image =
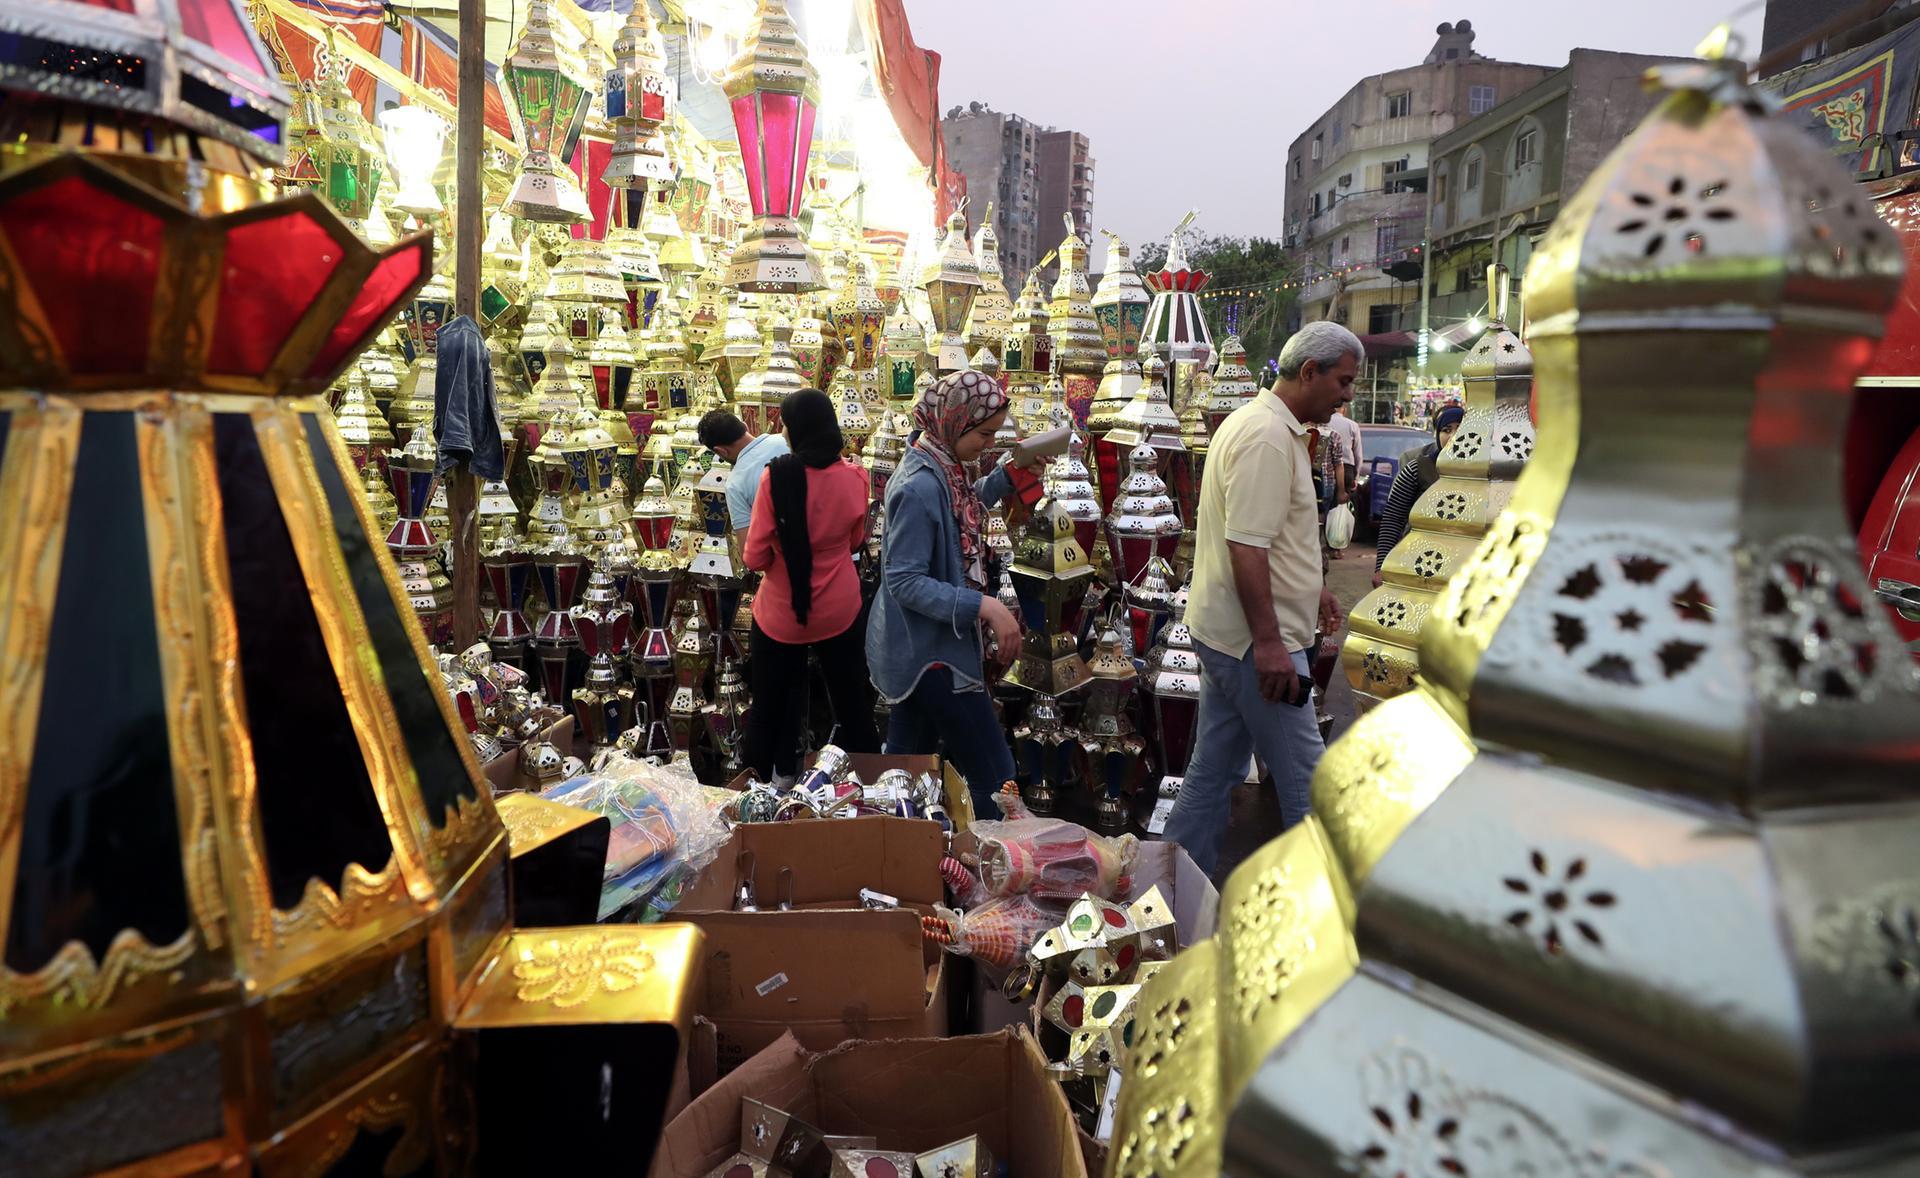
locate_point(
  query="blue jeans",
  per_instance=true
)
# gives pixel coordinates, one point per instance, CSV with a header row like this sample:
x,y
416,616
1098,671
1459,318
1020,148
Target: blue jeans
x,y
1235,723
935,715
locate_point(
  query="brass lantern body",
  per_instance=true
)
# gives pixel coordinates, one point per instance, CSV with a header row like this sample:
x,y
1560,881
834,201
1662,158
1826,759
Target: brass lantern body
x,y
1477,471
1625,885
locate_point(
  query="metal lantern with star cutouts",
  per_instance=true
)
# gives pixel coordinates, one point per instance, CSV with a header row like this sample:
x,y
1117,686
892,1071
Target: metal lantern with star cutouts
x,y
640,99
952,283
548,111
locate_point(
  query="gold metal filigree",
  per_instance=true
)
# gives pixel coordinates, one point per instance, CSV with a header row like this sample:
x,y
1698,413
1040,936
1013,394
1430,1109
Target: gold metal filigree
x,y
570,971
73,976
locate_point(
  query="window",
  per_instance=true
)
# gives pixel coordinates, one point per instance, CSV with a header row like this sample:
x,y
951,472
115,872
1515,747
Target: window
x,y
1453,53
1336,132
1400,105
1314,209
1524,165
1388,240
1346,245
1481,99
1472,170
1316,147
1389,170
1440,179
1296,167
1382,318
1526,146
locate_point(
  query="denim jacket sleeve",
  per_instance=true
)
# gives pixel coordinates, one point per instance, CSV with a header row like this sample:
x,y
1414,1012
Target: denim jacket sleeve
x,y
912,531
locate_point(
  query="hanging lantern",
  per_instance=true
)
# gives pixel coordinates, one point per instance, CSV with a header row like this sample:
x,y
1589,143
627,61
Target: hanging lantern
x,y
331,147
952,283
548,111
416,137
774,91
640,100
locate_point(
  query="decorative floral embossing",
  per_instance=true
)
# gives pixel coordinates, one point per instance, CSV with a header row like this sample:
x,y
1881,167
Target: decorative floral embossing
x,y
1416,1119
1269,939
572,970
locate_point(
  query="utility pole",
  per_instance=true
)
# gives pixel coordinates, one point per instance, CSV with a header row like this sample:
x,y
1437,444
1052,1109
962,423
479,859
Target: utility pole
x,y
463,493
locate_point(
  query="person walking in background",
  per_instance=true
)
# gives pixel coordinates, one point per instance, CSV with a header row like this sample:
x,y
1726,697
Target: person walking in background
x,y
1259,592
1419,469
748,452
1351,455
924,631
809,517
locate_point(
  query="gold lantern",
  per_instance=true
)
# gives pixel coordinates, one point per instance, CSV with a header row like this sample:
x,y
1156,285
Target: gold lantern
x,y
1624,885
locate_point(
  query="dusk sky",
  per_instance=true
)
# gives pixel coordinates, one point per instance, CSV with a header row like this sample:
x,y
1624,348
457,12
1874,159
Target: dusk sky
x,y
1194,102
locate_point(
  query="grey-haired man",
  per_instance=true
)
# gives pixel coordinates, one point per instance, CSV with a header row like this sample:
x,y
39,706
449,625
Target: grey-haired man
x,y
1259,592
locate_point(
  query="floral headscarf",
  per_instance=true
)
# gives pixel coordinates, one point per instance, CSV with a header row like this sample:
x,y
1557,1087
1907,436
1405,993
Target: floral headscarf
x,y
954,405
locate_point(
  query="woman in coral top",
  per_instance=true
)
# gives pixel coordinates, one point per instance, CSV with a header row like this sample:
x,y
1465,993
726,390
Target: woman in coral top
x,y
809,518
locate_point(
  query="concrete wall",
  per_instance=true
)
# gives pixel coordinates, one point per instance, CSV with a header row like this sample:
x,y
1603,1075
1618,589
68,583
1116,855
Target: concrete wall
x,y
998,153
1066,166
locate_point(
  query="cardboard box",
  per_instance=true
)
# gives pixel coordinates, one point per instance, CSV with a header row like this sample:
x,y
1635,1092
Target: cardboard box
x,y
914,1094
830,970
823,975
869,766
831,859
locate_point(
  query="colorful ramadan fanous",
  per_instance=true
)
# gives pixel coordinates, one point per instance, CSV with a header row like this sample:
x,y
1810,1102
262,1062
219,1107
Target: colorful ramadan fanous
x,y
1624,886
253,890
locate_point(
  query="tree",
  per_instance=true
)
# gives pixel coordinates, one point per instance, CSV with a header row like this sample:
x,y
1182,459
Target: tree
x,y
1236,262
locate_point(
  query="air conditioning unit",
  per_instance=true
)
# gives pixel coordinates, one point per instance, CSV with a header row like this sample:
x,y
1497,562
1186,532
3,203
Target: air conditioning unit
x,y
1346,181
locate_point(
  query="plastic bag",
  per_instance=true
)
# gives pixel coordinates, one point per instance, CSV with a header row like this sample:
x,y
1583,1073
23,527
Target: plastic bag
x,y
1051,859
664,826
997,934
1340,526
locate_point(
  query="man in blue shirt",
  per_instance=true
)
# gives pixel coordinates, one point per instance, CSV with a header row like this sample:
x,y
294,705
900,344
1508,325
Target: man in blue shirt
x,y
749,453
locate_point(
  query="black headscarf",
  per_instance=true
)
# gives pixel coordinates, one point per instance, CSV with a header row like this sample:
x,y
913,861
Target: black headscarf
x,y
813,432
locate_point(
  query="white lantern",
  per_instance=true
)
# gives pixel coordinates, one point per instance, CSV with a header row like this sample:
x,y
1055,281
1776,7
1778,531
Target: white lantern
x,y
415,139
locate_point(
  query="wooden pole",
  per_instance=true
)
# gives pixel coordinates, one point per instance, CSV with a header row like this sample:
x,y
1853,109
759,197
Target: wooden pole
x,y
463,493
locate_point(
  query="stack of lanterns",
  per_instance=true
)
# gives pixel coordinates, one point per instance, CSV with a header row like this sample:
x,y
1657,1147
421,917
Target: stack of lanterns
x,y
624,297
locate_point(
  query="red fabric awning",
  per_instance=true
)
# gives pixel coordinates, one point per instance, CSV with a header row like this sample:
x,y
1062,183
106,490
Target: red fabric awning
x,y
908,77
291,43
439,71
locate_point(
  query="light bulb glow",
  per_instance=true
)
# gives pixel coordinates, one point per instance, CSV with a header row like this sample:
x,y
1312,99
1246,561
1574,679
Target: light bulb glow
x,y
415,140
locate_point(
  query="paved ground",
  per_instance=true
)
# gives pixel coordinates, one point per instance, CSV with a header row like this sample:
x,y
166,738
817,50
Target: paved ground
x,y
1256,813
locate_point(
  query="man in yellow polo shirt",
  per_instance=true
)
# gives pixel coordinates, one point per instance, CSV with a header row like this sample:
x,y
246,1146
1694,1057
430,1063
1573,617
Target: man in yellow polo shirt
x,y
1259,590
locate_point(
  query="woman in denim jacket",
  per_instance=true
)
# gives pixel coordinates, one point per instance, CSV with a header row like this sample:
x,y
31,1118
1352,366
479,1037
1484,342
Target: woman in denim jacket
x,y
923,638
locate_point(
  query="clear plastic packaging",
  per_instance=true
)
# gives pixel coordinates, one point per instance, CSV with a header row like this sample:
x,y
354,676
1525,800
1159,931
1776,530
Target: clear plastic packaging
x,y
664,826
1051,859
998,933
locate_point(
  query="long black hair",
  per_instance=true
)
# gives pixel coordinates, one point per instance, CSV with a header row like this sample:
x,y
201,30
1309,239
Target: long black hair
x,y
813,430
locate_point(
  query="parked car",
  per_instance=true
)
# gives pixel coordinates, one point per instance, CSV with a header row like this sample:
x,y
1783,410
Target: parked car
x,y
1882,458
1380,449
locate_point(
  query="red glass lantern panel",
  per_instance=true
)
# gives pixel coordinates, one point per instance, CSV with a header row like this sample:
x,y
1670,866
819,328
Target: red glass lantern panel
x,y
779,124
802,147
273,270
217,25
392,278
746,127
99,268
